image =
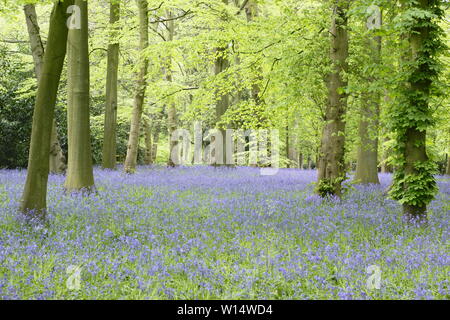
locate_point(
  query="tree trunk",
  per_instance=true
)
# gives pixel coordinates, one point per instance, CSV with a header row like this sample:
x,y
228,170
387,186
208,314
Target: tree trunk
x,y
80,175
385,167
221,64
156,133
172,111
288,143
367,157
109,139
56,157
57,160
413,137
35,190
331,161
293,155
148,142
251,11
133,140
447,171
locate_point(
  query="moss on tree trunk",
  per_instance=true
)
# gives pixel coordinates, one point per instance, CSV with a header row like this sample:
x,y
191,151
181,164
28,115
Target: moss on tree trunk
x,y
35,190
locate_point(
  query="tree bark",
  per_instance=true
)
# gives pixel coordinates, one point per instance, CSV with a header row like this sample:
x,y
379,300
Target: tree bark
x,y
221,64
133,139
385,167
331,161
156,133
148,142
293,154
367,157
80,176
172,111
34,200
110,134
56,157
447,171
251,11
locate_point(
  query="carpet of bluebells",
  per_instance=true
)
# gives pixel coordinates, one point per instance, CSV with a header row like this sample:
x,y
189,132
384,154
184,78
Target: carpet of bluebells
x,y
209,233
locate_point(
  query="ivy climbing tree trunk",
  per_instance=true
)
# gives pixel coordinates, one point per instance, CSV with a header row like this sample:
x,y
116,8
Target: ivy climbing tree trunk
x,y
80,175
110,134
133,139
367,156
331,164
56,158
34,199
414,183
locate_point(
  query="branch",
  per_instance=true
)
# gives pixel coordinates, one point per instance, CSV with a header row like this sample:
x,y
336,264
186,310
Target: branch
x,y
175,18
14,41
268,80
269,45
95,49
157,8
242,7
172,93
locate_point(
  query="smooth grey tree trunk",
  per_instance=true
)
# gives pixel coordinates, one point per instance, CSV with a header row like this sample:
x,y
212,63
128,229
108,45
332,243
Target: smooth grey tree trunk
x,y
110,134
133,139
56,158
148,142
34,200
80,176
172,111
367,156
447,171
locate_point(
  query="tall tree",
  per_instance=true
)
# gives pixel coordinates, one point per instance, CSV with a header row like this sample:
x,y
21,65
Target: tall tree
x,y
331,164
221,64
56,157
171,111
292,146
367,156
133,139
414,183
148,141
109,138
447,171
79,168
34,199
251,11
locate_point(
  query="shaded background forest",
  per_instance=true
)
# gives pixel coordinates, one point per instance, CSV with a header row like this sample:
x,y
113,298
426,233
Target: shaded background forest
x,y
280,47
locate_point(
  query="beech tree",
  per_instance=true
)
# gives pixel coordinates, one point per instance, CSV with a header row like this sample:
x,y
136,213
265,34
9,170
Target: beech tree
x,y
80,176
331,161
367,156
110,135
56,158
133,140
171,108
34,199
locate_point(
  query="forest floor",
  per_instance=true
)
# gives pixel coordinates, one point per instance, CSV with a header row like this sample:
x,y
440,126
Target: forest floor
x,y
206,233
